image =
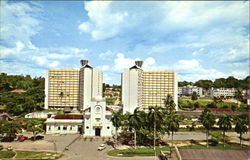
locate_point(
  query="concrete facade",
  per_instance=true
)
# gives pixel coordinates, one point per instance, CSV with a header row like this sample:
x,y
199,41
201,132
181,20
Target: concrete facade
x,y
145,88
222,92
188,91
69,88
97,119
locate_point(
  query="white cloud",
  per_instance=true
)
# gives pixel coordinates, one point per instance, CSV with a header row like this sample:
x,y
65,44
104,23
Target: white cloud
x,y
18,22
103,23
192,70
54,64
106,55
240,74
104,67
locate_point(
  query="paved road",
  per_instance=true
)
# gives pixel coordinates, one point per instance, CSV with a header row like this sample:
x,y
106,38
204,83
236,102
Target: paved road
x,y
85,148
187,136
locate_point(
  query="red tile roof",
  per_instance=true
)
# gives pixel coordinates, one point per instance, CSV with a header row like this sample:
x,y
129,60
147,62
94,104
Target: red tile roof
x,y
18,91
69,116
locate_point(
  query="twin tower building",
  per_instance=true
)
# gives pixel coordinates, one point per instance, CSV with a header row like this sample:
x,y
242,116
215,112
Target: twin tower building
x,y
75,88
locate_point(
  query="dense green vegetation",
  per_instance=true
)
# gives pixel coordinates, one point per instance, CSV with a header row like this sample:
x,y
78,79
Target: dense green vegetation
x,y
229,82
20,103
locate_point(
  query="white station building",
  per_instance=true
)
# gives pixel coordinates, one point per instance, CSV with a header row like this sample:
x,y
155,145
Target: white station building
x,y
93,121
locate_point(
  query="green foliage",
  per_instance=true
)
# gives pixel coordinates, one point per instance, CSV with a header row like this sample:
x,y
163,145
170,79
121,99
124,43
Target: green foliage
x,y
184,83
110,101
229,82
19,103
241,123
194,96
10,128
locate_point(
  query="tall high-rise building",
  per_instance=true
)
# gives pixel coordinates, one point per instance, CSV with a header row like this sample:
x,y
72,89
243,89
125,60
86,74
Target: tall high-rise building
x,y
145,88
68,88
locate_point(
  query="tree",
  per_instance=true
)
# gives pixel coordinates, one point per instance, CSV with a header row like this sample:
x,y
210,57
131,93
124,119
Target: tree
x,y
35,127
11,128
169,103
238,95
241,123
208,120
172,121
155,116
225,124
134,122
194,96
206,84
116,120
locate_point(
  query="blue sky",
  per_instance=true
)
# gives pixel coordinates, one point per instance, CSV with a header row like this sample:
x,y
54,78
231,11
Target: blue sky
x,y
199,40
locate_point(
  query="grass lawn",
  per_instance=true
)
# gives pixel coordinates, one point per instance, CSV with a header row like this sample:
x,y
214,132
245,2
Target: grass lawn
x,y
219,146
148,151
29,154
7,154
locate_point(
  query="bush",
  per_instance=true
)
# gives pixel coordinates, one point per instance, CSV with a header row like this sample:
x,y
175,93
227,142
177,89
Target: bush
x,y
213,142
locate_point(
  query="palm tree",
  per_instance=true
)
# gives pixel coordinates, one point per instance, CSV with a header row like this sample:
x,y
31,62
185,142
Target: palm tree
x,y
208,120
172,121
155,116
241,123
134,122
116,120
225,123
169,103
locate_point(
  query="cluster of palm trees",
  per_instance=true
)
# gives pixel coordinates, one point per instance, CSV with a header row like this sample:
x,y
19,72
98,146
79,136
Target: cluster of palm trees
x,y
149,125
154,123
225,123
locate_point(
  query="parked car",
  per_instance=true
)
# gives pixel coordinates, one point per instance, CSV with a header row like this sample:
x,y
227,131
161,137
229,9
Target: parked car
x,y
22,138
1,147
39,137
1,138
10,148
101,147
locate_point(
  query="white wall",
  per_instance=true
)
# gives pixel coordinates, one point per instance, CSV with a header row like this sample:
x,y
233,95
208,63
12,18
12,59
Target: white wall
x,y
87,87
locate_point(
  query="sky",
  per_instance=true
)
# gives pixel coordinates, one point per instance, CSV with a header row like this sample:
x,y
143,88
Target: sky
x,y
199,40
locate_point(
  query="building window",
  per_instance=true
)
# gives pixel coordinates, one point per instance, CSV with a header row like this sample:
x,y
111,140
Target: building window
x,y
49,128
87,127
71,128
58,128
107,127
64,128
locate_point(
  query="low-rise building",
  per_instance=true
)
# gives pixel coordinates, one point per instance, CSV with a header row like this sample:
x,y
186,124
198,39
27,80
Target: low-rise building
x,y
64,124
188,91
40,115
221,92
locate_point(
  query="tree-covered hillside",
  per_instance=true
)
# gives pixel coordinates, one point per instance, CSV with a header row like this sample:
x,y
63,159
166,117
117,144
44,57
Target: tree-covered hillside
x,y
230,82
